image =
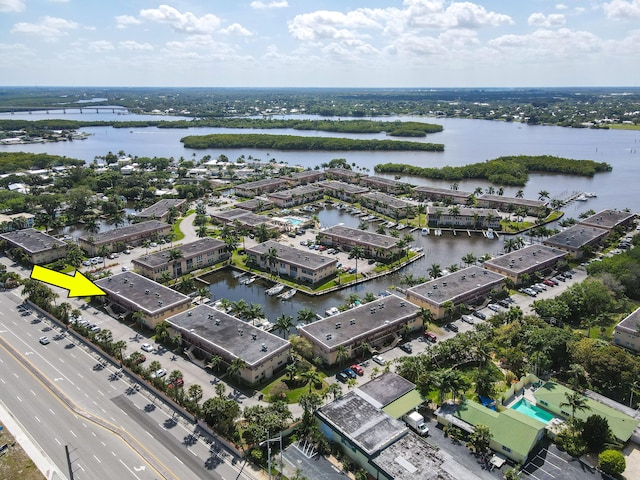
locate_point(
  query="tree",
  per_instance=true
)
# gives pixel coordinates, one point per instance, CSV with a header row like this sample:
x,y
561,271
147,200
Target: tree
x,y
434,271
272,259
214,362
577,402
612,462
203,231
342,354
596,433
334,390
480,438
161,331
195,393
174,255
311,377
356,252
306,315
542,194
236,366
283,324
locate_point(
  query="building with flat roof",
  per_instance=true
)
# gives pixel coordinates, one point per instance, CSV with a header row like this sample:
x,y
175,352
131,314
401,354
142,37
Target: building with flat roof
x,y
376,323
508,204
627,333
117,239
387,204
296,196
243,218
513,434
255,205
343,191
609,219
300,265
207,332
525,261
553,396
129,292
259,187
160,209
469,286
39,247
436,194
464,217
386,185
375,245
574,239
304,177
343,174
16,221
195,255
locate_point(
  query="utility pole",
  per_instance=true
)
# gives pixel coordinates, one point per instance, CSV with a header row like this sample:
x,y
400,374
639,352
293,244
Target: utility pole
x,y
66,451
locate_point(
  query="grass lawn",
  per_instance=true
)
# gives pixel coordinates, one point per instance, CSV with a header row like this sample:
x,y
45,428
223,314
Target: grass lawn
x,y
15,463
294,389
178,235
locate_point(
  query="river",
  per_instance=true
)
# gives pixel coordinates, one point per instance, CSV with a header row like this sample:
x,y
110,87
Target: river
x,y
466,141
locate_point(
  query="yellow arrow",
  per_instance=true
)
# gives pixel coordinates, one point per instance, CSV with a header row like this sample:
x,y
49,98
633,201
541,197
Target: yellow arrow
x,y
78,285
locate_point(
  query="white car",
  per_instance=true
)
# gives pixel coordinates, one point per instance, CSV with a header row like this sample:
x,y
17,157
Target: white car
x,y
494,307
44,340
147,347
379,359
159,373
467,318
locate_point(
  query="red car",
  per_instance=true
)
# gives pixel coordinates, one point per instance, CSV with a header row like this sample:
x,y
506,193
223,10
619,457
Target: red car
x,y
431,337
358,369
178,382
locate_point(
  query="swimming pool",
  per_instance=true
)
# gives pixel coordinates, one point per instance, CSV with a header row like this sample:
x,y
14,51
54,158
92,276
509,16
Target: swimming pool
x,y
293,221
533,411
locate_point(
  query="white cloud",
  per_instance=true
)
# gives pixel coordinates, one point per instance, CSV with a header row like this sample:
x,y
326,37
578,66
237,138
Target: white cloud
x,y
561,6
236,29
100,46
550,21
185,22
622,9
12,5
330,24
551,44
124,21
50,28
258,5
135,46
59,1
434,14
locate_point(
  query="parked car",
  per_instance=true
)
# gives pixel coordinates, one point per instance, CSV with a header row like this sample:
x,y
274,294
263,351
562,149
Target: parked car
x,y
560,279
451,326
479,315
503,303
567,275
549,283
342,377
431,337
349,373
358,369
86,263
379,359
406,347
494,307
177,383
147,347
159,373
467,318
555,282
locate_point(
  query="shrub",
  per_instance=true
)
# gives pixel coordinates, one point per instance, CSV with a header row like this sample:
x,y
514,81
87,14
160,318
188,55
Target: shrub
x,y
612,462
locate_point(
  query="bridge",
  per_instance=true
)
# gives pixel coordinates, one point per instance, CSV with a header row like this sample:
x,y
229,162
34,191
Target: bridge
x,y
95,109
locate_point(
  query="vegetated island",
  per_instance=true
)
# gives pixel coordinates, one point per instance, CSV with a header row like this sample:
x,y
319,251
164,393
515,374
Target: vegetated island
x,y
508,170
394,129
11,162
292,142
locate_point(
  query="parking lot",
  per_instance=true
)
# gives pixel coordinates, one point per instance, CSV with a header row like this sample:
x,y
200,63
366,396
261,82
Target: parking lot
x,y
552,464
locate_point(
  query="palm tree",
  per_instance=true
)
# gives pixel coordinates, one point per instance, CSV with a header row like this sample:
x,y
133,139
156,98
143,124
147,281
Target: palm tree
x,y
434,271
119,347
203,231
342,354
575,401
262,233
480,438
421,209
520,194
236,366
501,191
356,252
195,392
312,377
306,315
91,225
272,258
214,362
161,331
283,324
174,255
64,308
334,390
542,194
469,259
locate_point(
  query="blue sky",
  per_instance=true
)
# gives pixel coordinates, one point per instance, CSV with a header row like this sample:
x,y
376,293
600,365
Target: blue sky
x,y
333,43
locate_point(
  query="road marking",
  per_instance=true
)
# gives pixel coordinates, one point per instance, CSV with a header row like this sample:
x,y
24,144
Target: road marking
x,y
72,355
558,457
52,411
94,434
61,360
80,375
73,433
178,459
84,425
103,444
130,471
100,392
58,441
15,375
80,467
34,393
95,403
114,454
97,459
150,435
194,453
37,419
3,382
19,398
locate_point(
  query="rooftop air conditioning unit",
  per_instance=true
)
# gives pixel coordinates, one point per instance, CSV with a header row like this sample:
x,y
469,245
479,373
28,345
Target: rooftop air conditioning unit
x,y
329,336
160,303
402,304
264,347
338,324
217,321
146,292
189,313
254,336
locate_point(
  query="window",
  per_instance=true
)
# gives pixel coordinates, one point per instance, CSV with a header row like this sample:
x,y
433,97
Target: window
x,y
505,448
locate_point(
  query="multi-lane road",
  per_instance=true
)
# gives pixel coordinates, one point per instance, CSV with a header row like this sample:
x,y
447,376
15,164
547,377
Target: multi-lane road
x,y
63,396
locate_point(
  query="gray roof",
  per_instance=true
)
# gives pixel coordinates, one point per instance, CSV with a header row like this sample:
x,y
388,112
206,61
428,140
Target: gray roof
x,y
229,334
456,285
360,322
366,426
188,250
386,388
245,217
608,219
161,207
32,240
123,233
262,183
389,200
296,191
383,180
254,203
346,187
576,237
343,171
526,258
465,211
525,202
631,323
361,236
294,256
230,214
142,292
442,191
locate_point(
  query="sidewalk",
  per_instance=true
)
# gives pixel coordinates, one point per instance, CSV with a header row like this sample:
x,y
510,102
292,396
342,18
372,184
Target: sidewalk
x,y
32,449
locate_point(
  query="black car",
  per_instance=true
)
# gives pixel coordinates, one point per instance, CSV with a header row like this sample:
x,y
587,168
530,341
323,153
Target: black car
x,y
479,315
451,326
350,373
406,347
503,303
342,377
